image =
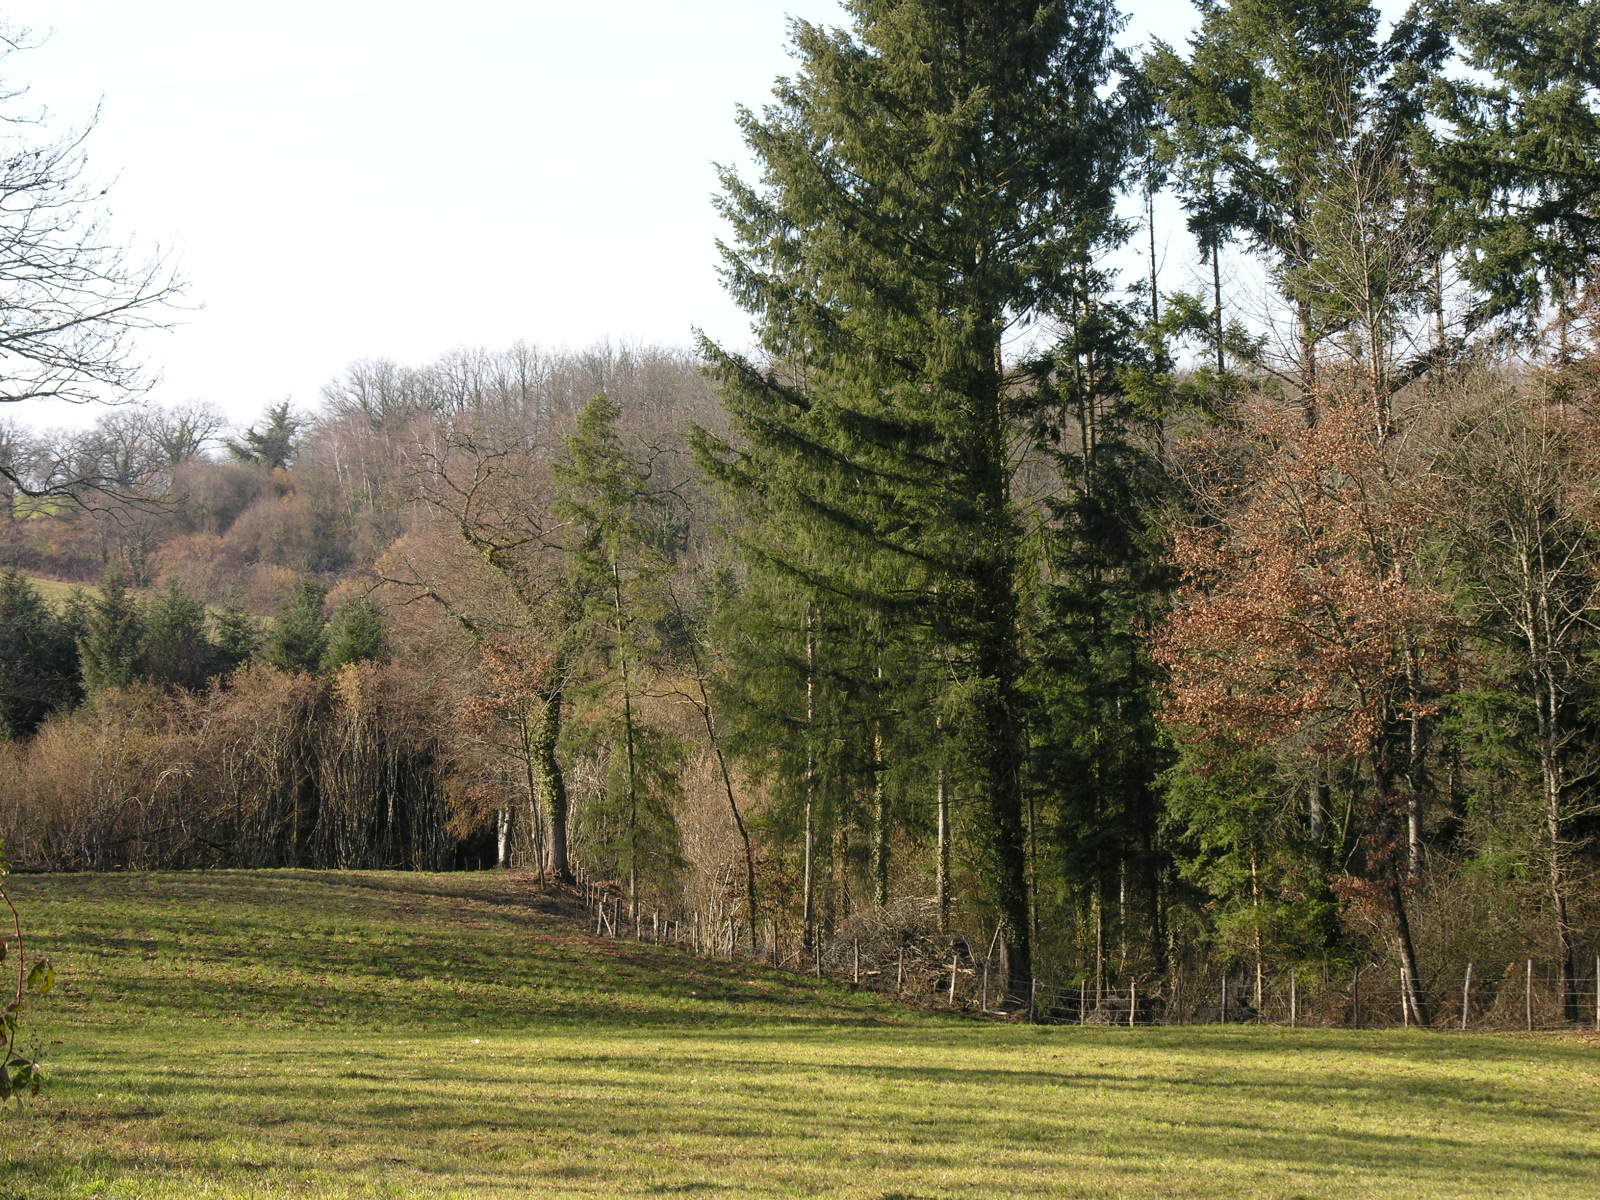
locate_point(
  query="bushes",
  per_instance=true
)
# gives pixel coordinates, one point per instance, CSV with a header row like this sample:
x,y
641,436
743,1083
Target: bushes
x,y
276,769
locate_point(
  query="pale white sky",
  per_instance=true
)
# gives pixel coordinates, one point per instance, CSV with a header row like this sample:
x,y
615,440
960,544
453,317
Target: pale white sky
x,y
345,179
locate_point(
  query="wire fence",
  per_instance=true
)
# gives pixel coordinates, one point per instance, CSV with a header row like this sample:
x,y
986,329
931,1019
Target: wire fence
x,y
950,973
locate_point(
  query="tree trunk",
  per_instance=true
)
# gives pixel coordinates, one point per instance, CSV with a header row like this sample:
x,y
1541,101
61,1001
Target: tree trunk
x,y
809,896
1413,994
620,629
552,783
1308,362
942,877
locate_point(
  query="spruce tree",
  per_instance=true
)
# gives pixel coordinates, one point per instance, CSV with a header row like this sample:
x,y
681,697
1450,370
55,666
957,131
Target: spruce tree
x,y
615,564
1524,159
273,443
176,650
299,639
235,636
108,649
1289,127
38,661
355,634
927,179
1105,581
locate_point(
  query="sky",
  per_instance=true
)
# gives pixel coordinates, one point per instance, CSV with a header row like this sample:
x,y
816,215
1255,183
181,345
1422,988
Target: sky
x,y
349,179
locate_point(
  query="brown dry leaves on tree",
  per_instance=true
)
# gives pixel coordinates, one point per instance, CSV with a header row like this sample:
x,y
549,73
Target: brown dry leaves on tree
x,y
1299,603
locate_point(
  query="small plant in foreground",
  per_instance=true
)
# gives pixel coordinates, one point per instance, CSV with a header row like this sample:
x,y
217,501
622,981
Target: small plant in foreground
x,y
20,1075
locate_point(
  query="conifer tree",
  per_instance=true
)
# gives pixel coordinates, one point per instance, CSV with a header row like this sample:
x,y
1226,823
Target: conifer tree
x,y
615,562
38,661
355,634
300,637
272,444
927,178
176,650
1288,127
235,637
1104,583
1524,161
108,649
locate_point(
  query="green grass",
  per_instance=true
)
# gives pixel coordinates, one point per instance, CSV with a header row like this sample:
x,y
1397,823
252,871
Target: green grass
x,y
57,592
240,1034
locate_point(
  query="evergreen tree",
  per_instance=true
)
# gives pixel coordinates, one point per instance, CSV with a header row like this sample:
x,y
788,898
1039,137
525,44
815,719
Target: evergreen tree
x,y
1289,126
176,650
272,444
299,639
1524,164
615,563
109,646
927,179
38,660
355,634
1105,581
236,637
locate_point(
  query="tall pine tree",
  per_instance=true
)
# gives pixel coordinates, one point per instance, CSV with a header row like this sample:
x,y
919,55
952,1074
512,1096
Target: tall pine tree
x,y
927,179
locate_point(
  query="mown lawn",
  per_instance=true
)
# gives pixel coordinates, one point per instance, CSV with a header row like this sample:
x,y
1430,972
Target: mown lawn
x,y
237,1034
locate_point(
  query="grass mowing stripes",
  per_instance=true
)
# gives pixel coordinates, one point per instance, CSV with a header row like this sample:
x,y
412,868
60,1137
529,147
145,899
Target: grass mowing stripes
x,y
245,1034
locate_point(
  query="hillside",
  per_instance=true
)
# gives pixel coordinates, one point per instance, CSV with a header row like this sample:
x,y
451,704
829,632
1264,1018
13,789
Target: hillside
x,y
240,1034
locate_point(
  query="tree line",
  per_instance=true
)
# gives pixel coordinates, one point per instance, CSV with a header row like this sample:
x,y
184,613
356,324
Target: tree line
x,y
1248,627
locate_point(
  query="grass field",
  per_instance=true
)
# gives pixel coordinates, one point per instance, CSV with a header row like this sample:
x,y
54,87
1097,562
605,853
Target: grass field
x,y
57,592
239,1034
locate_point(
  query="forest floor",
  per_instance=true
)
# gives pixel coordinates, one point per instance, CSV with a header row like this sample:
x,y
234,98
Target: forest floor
x,y
363,1034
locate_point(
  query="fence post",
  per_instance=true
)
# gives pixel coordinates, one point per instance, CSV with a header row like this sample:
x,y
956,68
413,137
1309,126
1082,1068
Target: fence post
x,y
983,993
1224,998
1083,999
1294,997
1033,999
1528,993
955,962
900,969
1405,999
1355,999
855,962
816,955
1133,1001
1466,997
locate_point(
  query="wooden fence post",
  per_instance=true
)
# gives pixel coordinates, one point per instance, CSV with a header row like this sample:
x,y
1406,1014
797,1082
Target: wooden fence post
x,y
1294,1014
1083,1000
1133,1001
1528,993
955,962
900,969
1466,997
1355,999
1405,999
983,992
1033,999
855,961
